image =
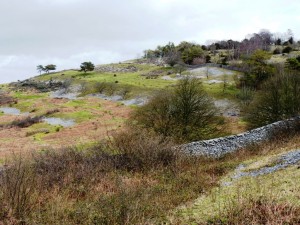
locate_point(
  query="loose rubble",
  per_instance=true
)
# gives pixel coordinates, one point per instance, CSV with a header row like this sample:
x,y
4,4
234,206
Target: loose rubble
x,y
281,162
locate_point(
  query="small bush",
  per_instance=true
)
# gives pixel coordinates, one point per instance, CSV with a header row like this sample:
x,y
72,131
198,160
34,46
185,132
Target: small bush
x,y
277,51
17,190
27,122
140,150
287,49
278,99
100,87
125,91
38,131
111,88
185,114
246,95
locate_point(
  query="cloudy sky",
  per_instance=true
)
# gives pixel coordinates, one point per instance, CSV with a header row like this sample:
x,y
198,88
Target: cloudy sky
x,y
68,32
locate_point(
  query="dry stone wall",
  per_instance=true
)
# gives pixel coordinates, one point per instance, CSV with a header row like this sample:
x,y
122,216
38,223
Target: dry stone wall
x,y
220,146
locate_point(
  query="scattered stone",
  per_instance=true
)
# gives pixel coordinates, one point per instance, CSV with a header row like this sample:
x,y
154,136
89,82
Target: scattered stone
x,y
41,86
283,161
59,121
139,101
62,93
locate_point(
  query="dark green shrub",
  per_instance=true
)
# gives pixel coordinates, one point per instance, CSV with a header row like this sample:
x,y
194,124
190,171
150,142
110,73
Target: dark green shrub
x,y
279,98
186,113
277,51
287,49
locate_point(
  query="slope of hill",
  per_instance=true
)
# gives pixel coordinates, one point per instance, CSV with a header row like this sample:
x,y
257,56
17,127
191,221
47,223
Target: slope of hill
x,y
85,107
64,173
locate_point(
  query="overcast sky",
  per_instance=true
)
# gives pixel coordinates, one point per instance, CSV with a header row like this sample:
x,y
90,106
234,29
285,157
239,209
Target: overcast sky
x,y
68,32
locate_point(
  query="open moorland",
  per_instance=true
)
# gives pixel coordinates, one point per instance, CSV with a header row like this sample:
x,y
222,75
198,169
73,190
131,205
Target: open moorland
x,y
85,108
105,144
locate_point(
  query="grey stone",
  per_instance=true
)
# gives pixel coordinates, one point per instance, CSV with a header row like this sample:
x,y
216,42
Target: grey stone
x,y
220,146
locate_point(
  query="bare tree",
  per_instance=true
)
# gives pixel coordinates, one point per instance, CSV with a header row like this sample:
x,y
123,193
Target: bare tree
x,y
207,72
172,57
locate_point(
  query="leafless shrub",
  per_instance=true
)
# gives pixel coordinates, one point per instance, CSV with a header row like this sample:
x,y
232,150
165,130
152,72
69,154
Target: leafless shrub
x,y
38,131
17,185
111,88
100,87
5,99
124,92
27,122
140,150
51,111
80,167
84,88
66,84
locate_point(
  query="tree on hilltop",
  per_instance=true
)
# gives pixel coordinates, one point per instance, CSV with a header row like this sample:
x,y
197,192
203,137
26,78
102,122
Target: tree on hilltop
x,y
87,66
49,67
40,69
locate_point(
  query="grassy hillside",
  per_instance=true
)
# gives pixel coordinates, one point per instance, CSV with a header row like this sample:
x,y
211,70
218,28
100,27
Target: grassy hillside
x,y
94,169
94,117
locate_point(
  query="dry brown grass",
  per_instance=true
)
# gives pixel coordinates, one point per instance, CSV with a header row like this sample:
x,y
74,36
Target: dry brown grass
x,y
136,178
259,211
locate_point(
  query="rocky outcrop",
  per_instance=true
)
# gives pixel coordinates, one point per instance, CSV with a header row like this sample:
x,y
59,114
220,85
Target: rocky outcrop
x,y
116,69
42,86
220,146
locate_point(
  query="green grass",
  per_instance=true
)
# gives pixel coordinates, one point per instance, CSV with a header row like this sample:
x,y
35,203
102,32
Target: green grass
x,y
138,83
24,106
82,104
216,91
26,96
39,130
78,116
38,126
26,100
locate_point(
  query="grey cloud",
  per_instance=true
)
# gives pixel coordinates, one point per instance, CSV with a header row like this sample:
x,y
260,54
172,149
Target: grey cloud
x,y
67,31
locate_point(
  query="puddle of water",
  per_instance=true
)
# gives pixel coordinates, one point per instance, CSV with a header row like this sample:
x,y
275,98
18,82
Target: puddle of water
x,y
117,98
113,98
58,121
12,111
